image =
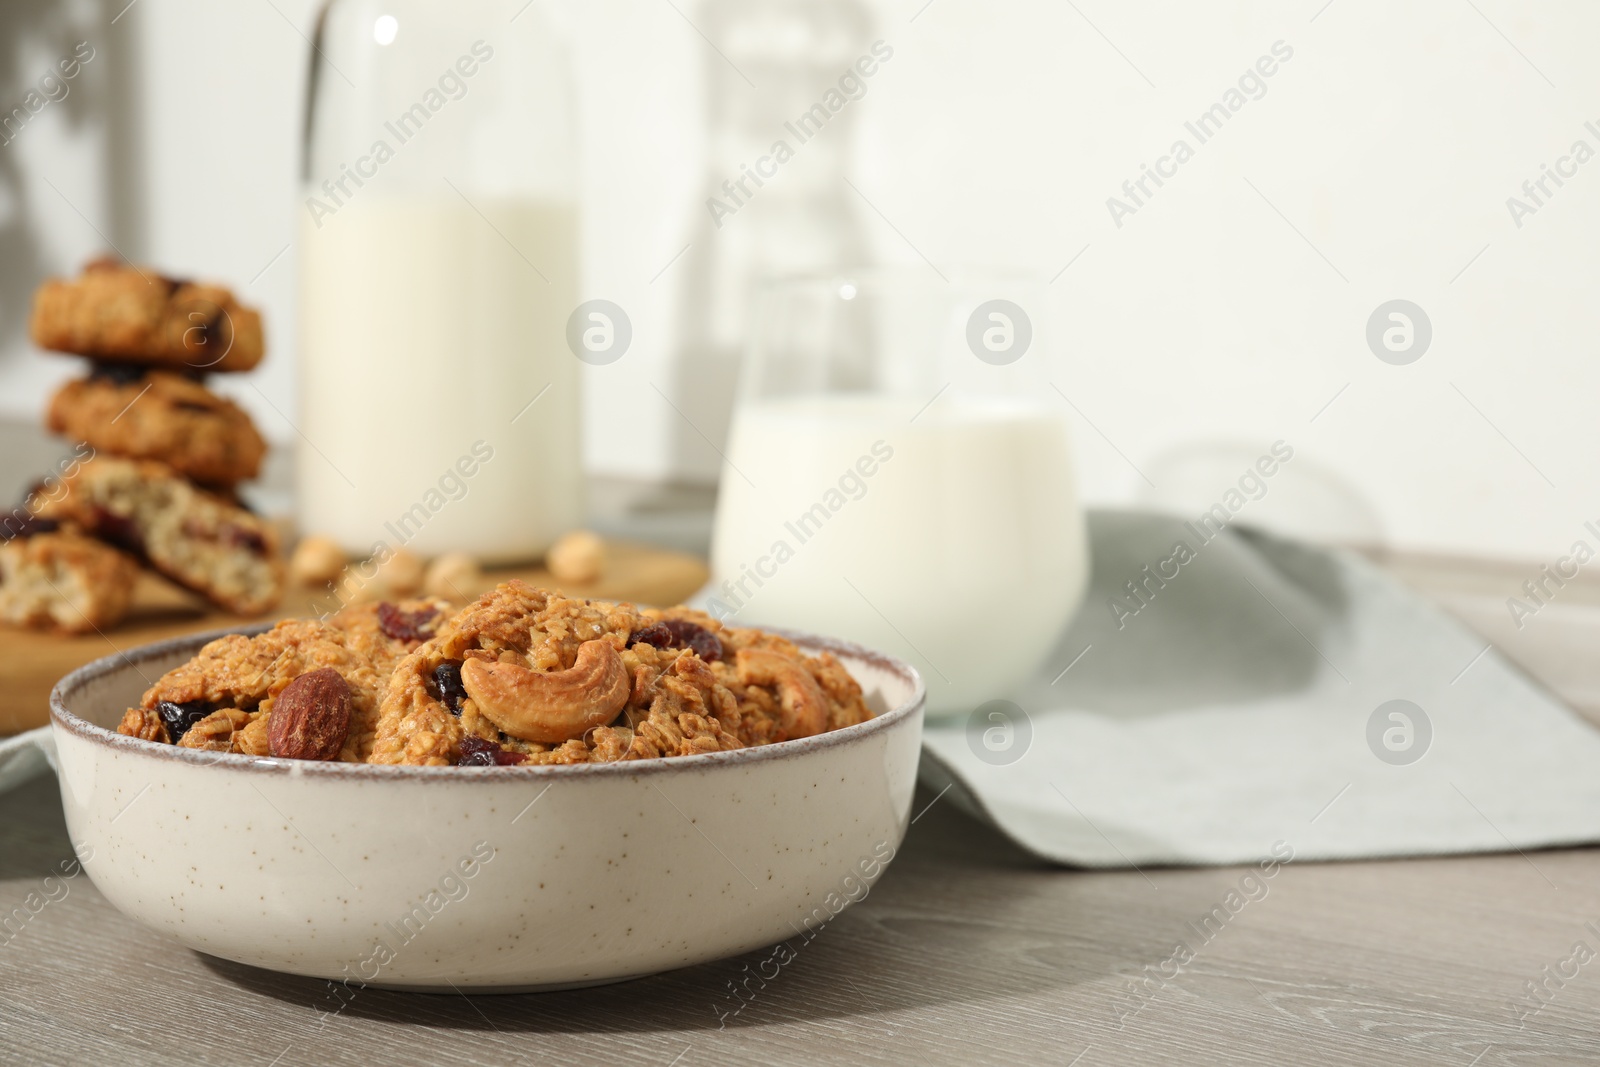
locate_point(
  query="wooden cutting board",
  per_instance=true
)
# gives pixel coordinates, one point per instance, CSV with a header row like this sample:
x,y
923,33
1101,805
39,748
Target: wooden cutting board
x,y
32,663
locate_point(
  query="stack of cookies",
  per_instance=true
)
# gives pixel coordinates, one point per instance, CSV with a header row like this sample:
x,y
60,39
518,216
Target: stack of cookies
x,y
154,477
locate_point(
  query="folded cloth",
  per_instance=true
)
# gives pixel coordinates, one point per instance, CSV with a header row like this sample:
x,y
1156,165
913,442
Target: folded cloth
x,y
1246,690
24,756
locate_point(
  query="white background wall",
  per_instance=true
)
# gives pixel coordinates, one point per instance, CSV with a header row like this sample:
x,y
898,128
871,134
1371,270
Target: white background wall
x,y
1225,314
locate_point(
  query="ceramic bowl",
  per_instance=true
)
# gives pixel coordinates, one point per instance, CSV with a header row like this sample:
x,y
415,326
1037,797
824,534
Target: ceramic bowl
x,y
492,878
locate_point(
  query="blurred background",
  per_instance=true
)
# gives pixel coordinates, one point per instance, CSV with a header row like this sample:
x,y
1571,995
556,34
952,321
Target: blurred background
x,y
1227,311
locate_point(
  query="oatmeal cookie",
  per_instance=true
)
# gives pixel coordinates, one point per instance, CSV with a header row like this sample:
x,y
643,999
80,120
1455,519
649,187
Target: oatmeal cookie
x,y
198,539
386,631
56,579
527,676
114,311
158,415
222,700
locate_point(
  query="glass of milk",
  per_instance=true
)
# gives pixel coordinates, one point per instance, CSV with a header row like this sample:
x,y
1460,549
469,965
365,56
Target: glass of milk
x,y
438,251
899,473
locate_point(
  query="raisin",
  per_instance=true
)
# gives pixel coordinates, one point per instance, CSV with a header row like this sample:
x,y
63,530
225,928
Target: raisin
x,y
680,633
116,373
406,625
655,634
20,524
706,644
179,717
119,530
447,679
476,752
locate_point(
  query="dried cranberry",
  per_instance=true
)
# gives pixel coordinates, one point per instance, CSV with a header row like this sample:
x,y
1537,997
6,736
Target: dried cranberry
x,y
120,530
179,717
680,633
243,537
116,373
406,625
447,679
476,752
20,524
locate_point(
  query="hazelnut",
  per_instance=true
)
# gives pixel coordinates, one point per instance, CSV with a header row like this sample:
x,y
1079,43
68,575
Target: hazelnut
x,y
453,576
578,557
401,573
317,560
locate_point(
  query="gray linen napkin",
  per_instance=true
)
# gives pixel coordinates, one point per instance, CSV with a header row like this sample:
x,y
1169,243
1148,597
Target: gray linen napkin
x,y
1245,698
24,756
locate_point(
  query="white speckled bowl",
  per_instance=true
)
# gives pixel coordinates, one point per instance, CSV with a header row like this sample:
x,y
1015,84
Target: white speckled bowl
x,y
493,878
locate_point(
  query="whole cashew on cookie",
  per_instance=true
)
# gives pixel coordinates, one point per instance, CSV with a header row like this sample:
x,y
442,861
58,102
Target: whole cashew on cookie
x,y
805,709
550,706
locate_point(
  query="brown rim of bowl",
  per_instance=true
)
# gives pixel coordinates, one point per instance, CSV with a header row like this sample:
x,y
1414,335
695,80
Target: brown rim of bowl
x,y
64,719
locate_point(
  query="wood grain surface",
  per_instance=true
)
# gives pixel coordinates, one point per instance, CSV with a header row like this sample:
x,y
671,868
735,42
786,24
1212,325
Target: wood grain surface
x,y
967,951
31,663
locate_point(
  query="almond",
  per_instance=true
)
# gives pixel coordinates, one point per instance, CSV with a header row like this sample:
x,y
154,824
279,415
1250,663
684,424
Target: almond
x,y
311,717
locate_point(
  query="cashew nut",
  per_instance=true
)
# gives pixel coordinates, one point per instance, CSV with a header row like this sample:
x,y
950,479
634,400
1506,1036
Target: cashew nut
x,y
550,706
805,709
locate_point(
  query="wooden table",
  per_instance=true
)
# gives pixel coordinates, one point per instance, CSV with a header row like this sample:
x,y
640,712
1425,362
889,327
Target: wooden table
x,y
967,951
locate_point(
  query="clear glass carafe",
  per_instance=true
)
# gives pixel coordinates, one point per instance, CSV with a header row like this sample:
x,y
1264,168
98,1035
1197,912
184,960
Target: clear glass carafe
x,y
438,250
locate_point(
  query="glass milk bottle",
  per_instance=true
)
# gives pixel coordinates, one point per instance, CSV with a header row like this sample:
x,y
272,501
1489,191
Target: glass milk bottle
x,y
899,473
438,248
